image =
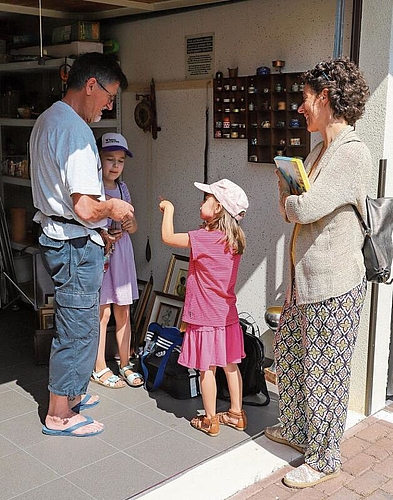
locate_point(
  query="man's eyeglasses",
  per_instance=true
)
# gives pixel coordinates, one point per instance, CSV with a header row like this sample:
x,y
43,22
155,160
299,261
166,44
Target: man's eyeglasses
x,y
111,97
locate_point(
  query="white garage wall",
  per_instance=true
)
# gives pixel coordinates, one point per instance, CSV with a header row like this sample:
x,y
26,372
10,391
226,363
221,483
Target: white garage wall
x,y
247,34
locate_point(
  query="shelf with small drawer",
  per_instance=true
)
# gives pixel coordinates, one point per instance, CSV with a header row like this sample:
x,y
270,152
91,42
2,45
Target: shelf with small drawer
x,y
264,110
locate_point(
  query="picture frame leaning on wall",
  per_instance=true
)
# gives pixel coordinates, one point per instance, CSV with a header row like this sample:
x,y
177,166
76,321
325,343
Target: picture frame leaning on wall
x,y
165,309
176,276
46,318
138,308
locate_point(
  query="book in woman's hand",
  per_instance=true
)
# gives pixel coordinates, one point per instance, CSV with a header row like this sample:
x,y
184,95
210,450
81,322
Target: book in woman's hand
x,y
294,173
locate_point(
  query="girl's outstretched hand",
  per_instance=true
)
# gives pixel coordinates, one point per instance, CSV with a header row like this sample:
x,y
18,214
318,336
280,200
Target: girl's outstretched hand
x,y
164,204
169,237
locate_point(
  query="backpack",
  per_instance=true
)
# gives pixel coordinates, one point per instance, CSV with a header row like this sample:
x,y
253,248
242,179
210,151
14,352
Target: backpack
x,y
378,244
255,391
159,362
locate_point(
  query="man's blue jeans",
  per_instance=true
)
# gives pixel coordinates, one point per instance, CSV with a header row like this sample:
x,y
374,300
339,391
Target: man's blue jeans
x,y
76,268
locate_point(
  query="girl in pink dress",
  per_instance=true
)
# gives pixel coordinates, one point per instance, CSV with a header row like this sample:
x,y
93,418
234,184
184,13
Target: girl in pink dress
x,y
213,336
119,287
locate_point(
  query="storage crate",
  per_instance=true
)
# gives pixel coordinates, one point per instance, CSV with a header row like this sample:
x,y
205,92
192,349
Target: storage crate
x,y
80,31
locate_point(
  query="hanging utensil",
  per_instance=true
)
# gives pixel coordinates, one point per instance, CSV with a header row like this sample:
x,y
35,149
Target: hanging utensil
x,y
148,250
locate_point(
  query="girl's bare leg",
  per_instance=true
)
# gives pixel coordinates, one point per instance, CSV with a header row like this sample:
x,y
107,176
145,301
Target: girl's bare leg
x,y
235,387
209,391
123,337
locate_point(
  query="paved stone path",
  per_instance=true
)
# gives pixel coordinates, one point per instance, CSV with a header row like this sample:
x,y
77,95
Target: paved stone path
x,y
367,468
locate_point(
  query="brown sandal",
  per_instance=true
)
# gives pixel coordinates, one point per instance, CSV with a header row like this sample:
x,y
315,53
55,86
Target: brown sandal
x,y
207,425
228,417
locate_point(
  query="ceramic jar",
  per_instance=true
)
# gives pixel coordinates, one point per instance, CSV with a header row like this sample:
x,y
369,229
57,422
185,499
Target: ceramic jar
x,y
294,123
226,122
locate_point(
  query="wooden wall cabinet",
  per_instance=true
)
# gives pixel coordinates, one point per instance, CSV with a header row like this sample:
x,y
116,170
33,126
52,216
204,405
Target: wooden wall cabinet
x,y
230,105
266,109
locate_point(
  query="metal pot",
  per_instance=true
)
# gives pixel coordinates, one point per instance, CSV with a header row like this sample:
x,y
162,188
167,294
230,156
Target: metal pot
x,y
272,317
278,64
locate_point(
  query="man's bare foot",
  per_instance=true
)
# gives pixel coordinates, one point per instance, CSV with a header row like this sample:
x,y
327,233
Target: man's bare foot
x,y
73,425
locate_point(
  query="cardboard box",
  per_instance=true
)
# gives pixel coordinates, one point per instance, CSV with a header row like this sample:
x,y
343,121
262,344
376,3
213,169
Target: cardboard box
x,y
61,50
80,31
42,345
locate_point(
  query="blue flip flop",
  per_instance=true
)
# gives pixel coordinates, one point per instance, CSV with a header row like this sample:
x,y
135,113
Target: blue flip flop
x,y
83,404
70,430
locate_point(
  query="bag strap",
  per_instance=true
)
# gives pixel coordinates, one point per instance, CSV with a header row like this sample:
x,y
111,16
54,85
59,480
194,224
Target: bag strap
x,y
367,230
171,334
161,368
362,222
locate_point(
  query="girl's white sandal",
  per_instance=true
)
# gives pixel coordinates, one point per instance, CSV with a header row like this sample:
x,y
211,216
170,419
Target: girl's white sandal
x,y
112,382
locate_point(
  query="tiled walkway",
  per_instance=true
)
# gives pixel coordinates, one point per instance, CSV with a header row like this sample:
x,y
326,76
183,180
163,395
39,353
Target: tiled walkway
x,y
147,442
149,451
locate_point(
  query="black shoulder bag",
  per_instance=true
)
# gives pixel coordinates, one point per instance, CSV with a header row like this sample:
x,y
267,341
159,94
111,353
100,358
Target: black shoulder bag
x,y
378,244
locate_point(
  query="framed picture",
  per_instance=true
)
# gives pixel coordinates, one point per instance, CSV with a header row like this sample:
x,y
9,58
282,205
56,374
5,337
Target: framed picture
x,y
49,299
47,318
166,309
138,308
176,277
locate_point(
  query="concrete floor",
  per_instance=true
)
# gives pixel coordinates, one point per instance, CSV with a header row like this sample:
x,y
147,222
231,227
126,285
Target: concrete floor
x,y
148,441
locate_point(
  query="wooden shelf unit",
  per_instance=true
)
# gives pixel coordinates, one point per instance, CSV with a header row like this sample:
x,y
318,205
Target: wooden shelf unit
x,y
263,109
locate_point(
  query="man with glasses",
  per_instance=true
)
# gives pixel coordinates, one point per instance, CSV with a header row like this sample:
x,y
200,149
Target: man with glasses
x,y
68,192
111,97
